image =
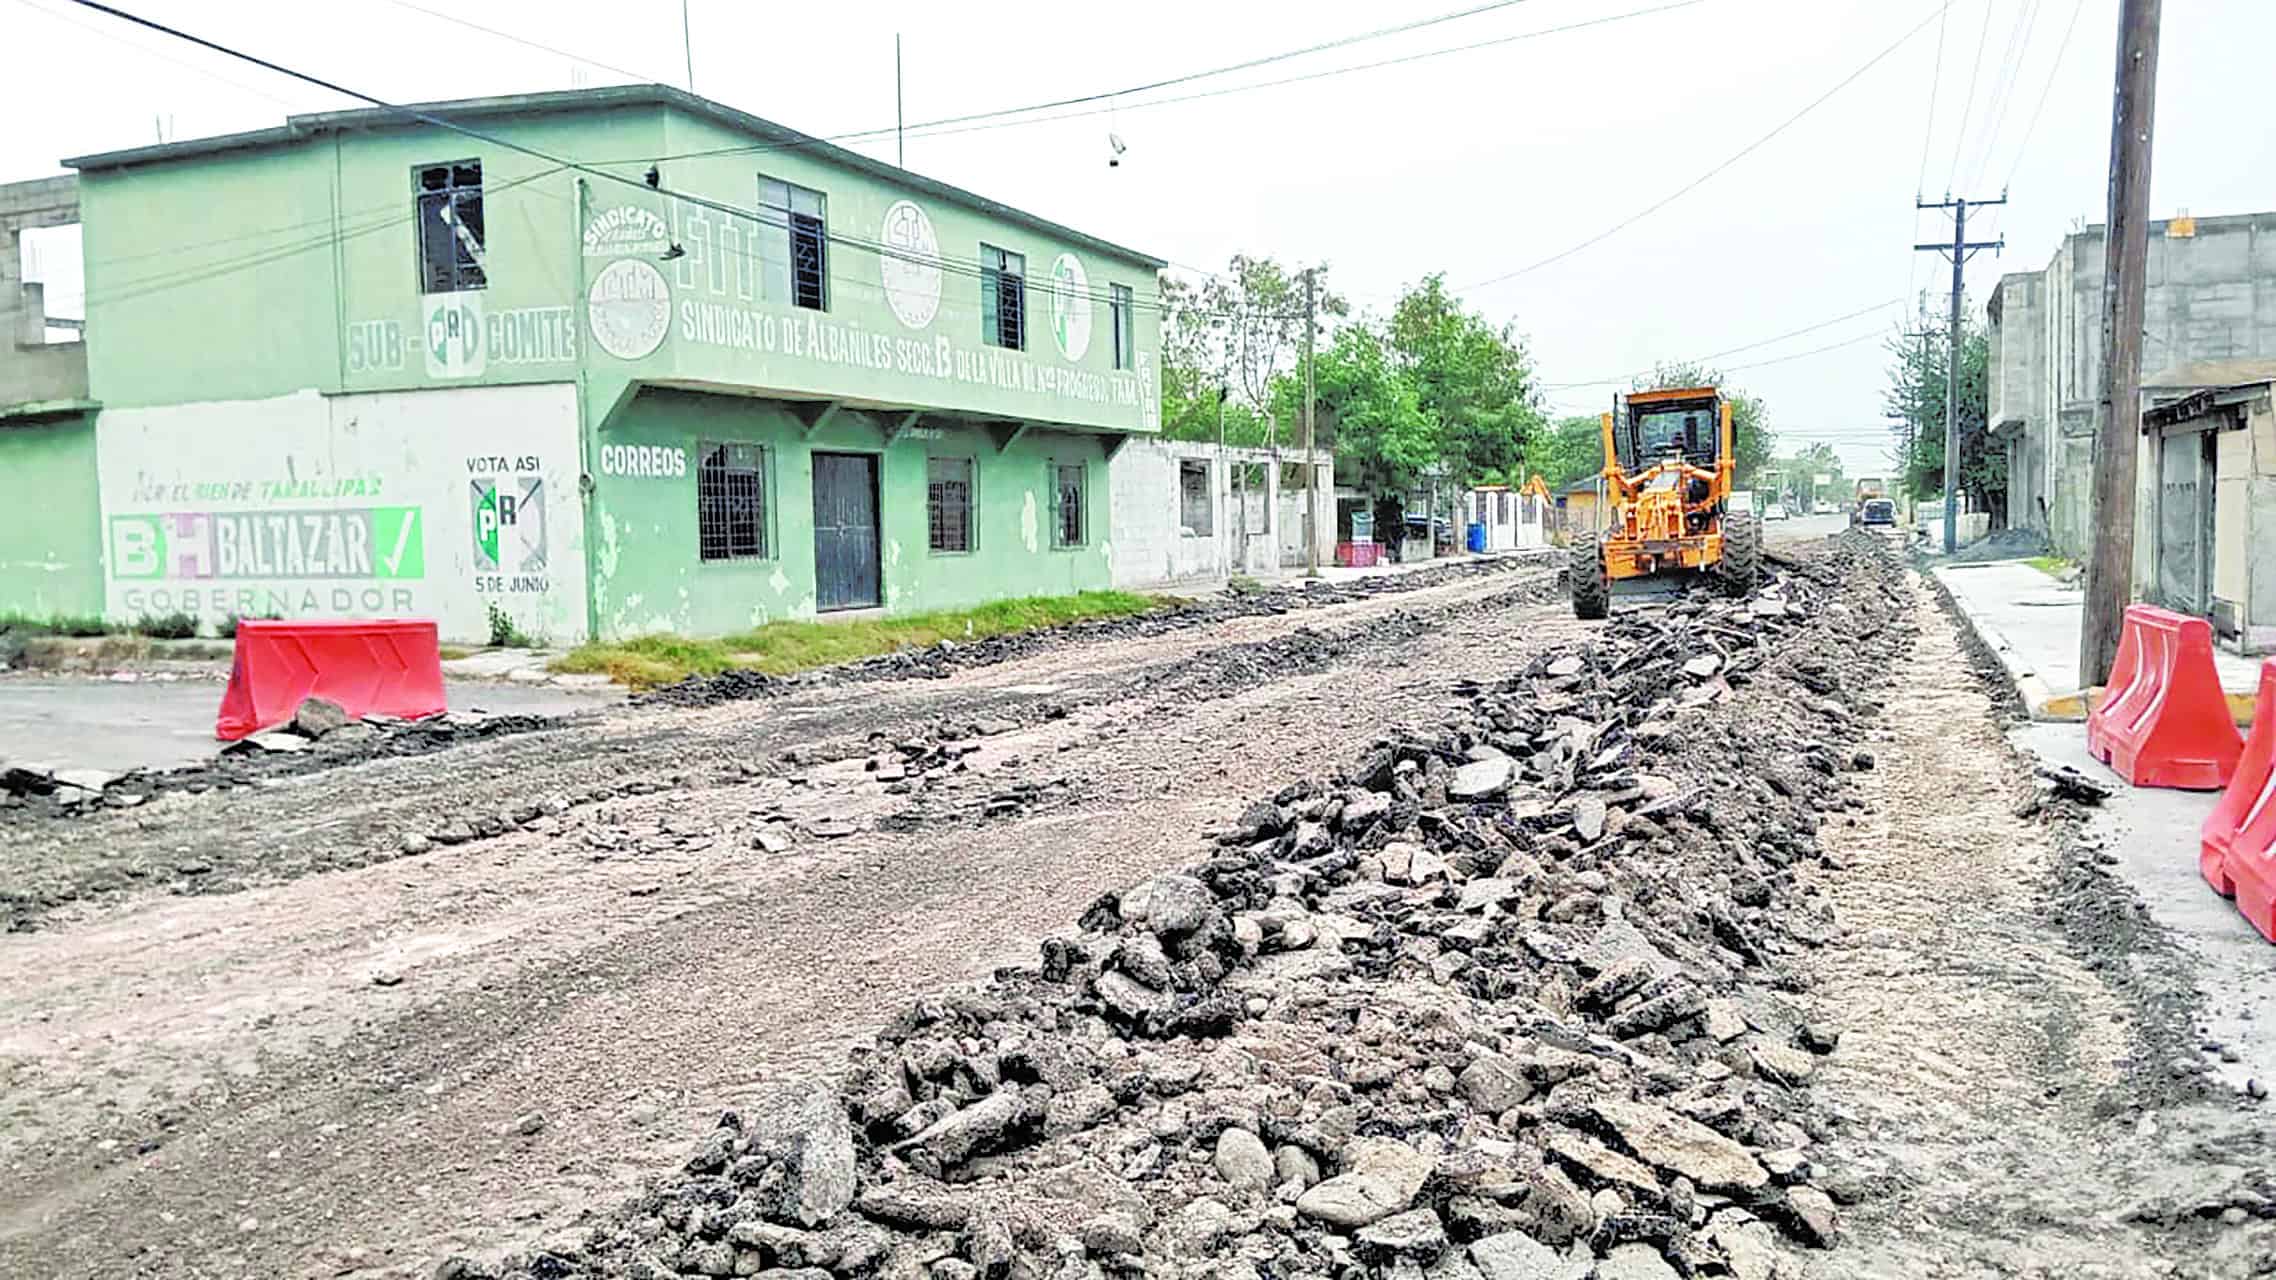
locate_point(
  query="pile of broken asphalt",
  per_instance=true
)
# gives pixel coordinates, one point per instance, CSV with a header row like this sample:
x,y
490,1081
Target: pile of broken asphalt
x,y
1510,998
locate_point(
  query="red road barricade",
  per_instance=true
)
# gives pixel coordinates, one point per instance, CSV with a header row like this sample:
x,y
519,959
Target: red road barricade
x,y
378,666
2237,849
2163,721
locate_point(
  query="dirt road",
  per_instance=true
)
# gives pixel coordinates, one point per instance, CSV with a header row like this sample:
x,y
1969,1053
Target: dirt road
x,y
359,1060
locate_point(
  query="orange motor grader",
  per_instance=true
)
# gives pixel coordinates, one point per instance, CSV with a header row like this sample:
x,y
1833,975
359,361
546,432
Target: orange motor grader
x,y
1668,460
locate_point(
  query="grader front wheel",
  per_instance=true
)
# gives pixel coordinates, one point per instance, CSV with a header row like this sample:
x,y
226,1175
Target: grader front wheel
x,y
1741,564
1592,587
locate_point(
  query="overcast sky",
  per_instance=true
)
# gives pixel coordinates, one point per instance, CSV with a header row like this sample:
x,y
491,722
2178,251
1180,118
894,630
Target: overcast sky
x,y
1477,163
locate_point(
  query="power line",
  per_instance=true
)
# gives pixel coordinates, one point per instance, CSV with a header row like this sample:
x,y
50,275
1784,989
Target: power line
x,y
2052,73
1975,70
208,72
1702,180
932,130
1935,81
947,265
524,41
2003,89
1716,355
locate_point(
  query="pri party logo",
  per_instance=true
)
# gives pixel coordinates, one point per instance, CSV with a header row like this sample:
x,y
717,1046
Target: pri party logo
x,y
1070,306
509,525
454,335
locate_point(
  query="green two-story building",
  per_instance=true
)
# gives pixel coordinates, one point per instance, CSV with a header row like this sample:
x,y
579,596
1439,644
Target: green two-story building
x,y
604,361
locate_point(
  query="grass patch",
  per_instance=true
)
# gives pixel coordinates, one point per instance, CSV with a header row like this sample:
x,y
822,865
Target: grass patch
x,y
452,652
785,648
2052,566
55,625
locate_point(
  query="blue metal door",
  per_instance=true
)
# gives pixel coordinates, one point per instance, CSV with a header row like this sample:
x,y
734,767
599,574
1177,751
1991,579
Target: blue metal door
x,y
845,531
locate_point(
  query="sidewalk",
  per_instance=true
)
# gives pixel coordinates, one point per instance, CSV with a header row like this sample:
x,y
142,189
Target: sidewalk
x,y
2151,832
2032,623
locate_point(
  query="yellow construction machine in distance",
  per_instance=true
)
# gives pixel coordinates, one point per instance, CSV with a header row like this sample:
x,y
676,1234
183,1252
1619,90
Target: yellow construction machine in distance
x,y
1668,463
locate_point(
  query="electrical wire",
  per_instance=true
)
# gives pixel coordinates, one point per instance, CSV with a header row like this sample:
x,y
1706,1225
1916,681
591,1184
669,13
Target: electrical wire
x,y
2053,72
932,131
1702,180
1975,70
972,266
1928,135
184,63
526,42
1166,83
2003,89
1716,355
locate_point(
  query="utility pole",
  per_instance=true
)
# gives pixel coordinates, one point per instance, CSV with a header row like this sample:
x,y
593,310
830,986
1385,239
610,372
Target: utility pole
x,y
1311,472
2117,435
1959,251
900,150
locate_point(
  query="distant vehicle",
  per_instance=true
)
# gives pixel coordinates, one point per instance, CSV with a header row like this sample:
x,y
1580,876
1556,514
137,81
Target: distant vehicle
x,y
1775,511
1823,508
1880,511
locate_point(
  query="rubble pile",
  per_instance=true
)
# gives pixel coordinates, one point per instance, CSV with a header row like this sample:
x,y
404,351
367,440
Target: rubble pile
x,y
942,660
319,736
1509,999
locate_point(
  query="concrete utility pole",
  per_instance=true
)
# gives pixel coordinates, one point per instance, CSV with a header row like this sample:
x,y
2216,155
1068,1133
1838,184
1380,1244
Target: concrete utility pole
x,y
1311,479
1960,250
2126,249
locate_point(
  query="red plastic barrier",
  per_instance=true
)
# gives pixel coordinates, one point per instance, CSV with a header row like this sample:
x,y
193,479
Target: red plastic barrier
x,y
2163,721
1357,555
2237,844
382,666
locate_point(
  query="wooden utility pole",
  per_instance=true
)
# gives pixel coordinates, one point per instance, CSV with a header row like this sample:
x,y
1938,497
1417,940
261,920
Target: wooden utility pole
x,y
1311,472
2117,432
1959,251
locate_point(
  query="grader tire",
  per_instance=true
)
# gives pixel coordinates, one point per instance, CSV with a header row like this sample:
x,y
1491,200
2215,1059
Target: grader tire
x,y
1741,564
1592,589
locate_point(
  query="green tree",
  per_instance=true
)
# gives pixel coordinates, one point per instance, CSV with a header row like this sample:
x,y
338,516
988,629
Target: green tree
x,y
1752,437
1915,403
1474,381
1225,343
1569,452
1366,407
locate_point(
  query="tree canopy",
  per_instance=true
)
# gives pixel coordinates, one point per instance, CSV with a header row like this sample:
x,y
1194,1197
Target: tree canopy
x,y
1915,401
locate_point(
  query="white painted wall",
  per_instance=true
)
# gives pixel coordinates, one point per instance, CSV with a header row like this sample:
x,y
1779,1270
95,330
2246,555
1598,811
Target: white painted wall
x,y
428,504
1150,545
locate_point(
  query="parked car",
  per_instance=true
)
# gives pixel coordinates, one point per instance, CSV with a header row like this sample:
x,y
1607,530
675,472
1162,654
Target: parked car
x,y
1824,508
1879,511
1774,511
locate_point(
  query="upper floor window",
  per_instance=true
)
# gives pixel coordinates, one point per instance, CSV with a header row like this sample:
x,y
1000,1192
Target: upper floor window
x,y
451,256
1003,298
794,244
1124,309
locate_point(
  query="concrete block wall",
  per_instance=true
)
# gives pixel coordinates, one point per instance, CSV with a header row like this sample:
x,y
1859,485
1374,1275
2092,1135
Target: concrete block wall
x,y
32,369
2210,295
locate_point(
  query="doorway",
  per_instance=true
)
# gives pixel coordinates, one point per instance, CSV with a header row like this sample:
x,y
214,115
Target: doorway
x,y
845,531
2185,472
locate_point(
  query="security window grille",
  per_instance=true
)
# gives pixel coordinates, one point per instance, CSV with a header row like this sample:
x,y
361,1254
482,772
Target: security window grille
x,y
948,504
451,257
1003,298
1501,508
794,245
1067,504
1194,507
1123,308
731,502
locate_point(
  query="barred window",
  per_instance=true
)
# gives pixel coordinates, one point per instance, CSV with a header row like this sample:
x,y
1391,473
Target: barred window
x,y
1194,505
451,254
1003,298
948,504
731,501
793,238
1123,307
1067,504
